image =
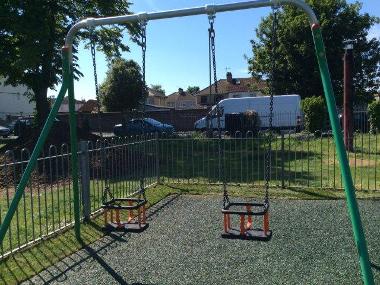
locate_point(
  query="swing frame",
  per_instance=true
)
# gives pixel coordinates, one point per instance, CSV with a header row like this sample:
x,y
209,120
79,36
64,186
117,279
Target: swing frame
x,y
68,86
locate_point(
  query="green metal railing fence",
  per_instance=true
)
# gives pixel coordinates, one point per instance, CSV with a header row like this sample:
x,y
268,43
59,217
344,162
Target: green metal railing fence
x,y
298,160
47,204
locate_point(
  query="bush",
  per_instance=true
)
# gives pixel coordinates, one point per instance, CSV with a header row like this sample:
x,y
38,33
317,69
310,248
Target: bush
x,y
314,110
374,116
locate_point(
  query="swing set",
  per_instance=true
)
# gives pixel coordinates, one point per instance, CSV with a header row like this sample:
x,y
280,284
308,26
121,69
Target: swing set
x,y
242,209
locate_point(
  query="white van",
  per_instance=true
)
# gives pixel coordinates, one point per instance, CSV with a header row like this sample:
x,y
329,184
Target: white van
x,y
286,111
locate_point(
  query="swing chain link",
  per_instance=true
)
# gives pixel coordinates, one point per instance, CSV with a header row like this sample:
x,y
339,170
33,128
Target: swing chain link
x,y
211,32
143,25
93,55
272,90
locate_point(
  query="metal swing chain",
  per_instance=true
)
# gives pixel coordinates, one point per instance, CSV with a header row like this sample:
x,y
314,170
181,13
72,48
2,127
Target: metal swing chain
x,y
268,154
93,55
211,32
143,25
107,191
219,111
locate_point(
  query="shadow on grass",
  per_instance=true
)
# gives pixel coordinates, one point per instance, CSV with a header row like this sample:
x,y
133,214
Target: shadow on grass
x,y
314,194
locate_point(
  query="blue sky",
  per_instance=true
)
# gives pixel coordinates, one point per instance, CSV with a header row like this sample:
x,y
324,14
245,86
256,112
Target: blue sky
x,y
177,49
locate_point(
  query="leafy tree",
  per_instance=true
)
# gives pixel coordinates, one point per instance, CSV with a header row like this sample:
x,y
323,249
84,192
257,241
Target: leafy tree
x,y
158,88
32,34
315,112
193,89
122,89
297,68
374,116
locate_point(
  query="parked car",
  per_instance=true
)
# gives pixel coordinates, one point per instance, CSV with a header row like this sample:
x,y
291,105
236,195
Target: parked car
x,y
138,127
4,132
11,126
22,125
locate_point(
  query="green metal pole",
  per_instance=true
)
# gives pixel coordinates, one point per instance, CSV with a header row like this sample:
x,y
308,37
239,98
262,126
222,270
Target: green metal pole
x,y
74,150
35,154
349,188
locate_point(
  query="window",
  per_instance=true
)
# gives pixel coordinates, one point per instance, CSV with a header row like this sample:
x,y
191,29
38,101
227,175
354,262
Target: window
x,y
203,99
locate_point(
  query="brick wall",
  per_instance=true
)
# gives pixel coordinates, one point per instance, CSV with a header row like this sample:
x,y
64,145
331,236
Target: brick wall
x,y
182,120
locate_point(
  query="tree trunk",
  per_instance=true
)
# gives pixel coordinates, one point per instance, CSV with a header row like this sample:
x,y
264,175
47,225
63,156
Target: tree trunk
x,y
42,105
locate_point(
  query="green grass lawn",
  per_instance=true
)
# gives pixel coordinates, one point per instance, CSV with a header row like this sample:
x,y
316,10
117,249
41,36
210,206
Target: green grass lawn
x,y
45,208
23,265
305,162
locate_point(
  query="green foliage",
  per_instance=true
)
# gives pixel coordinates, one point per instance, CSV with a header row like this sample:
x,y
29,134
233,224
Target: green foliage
x,y
374,116
32,34
315,112
193,89
122,89
296,65
263,88
158,88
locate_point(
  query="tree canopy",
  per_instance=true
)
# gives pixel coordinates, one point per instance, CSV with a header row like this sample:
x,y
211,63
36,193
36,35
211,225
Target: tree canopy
x,y
122,89
32,34
193,89
158,88
296,65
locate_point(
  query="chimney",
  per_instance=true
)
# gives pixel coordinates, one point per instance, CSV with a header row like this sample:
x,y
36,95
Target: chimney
x,y
229,77
180,91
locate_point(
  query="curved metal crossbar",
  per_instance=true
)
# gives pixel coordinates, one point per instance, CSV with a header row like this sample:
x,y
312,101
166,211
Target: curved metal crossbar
x,y
68,84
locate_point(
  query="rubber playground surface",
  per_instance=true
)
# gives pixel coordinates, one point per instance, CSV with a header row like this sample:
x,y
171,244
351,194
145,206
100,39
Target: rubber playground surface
x,y
312,243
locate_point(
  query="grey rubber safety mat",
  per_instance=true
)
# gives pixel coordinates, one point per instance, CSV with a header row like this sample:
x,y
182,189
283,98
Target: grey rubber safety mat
x,y
312,243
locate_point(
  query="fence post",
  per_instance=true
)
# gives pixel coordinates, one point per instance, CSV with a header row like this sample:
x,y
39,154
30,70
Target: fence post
x,y
282,160
157,157
84,165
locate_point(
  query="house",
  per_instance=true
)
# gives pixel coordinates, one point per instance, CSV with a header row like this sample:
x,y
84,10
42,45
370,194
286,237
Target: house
x,y
90,106
181,100
64,108
155,98
231,88
14,101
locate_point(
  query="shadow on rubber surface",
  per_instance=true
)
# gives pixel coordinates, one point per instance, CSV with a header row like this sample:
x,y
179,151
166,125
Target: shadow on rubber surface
x,y
57,272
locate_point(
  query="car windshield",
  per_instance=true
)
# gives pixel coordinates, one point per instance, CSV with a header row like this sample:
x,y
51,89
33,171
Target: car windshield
x,y
153,122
